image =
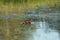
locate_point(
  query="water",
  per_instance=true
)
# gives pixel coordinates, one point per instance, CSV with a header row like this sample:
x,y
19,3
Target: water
x,y
43,32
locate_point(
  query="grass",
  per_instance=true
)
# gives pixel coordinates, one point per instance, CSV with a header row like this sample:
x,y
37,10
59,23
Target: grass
x,y
24,5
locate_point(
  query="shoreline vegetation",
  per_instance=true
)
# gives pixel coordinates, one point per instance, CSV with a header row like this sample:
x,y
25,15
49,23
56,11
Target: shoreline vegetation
x,y
24,5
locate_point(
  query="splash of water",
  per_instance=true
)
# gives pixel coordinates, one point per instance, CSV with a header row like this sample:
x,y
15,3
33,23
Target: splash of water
x,y
41,34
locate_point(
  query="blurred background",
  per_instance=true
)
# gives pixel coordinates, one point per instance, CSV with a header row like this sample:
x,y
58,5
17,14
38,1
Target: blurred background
x,y
29,19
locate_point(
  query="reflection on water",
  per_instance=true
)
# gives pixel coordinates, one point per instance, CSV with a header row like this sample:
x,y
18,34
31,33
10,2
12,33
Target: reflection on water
x,y
43,32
